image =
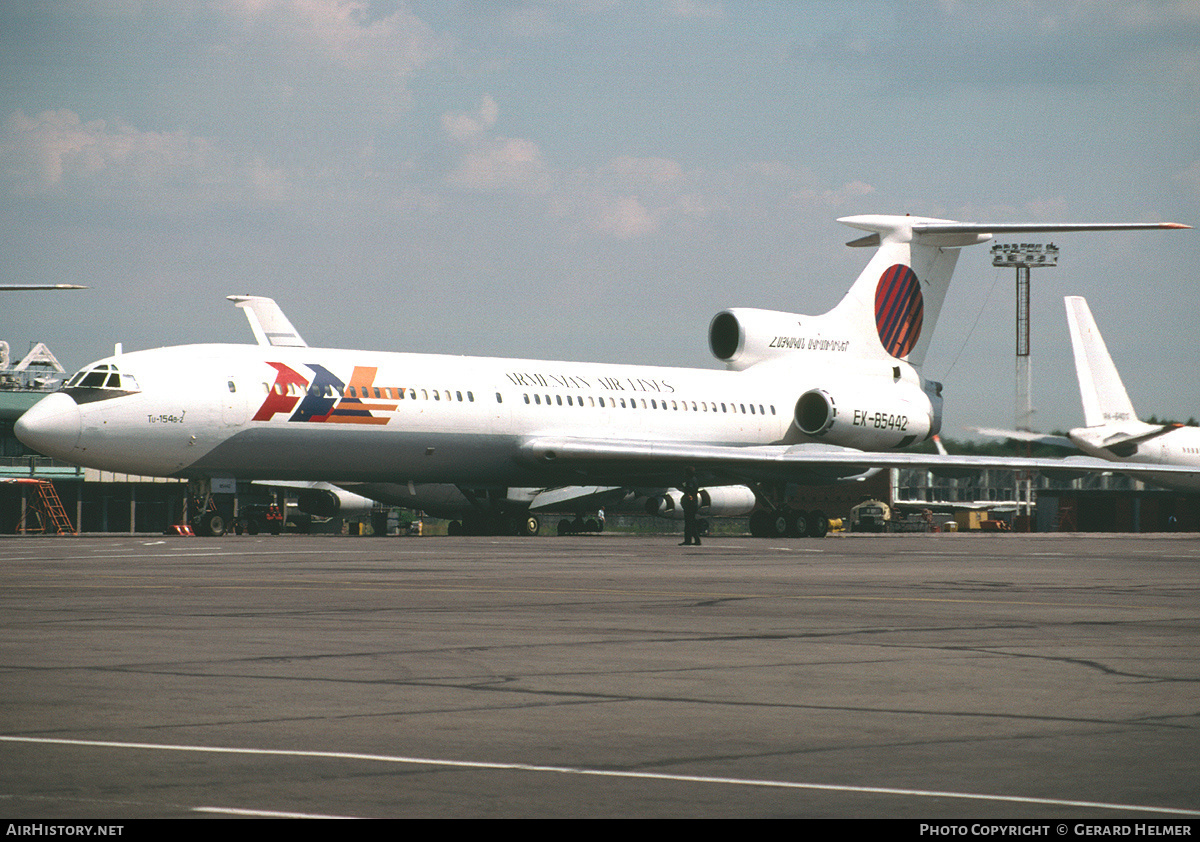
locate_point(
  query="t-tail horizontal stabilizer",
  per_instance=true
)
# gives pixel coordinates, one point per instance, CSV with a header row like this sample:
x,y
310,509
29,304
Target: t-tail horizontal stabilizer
x,y
900,292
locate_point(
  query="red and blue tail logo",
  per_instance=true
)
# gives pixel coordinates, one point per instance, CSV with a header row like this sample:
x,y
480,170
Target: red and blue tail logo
x,y
899,310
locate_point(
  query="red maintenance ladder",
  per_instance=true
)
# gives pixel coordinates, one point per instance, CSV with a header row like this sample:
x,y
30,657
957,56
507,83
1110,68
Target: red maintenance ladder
x,y
49,509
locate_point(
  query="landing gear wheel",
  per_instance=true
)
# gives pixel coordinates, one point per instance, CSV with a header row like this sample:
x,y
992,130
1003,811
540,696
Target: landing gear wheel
x,y
797,524
818,524
760,524
531,526
565,528
209,524
475,524
779,525
454,528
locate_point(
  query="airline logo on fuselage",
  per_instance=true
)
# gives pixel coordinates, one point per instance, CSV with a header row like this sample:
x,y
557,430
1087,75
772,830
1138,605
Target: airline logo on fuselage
x,y
811,343
899,309
324,399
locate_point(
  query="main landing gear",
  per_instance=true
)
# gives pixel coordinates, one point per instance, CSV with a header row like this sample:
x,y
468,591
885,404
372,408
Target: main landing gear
x,y
580,526
486,524
775,519
789,523
206,519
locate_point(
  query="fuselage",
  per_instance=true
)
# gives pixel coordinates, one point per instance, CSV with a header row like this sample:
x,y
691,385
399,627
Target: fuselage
x,y
1180,446
261,412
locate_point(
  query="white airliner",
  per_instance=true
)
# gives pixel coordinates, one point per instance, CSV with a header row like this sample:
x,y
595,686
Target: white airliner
x,y
1112,430
803,399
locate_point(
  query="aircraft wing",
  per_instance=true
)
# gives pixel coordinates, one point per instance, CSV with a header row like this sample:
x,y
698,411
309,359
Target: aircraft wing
x,y
1026,435
1116,439
577,496
666,461
27,287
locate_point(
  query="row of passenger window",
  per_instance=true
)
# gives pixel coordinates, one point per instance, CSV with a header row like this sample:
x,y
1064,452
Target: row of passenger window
x,y
404,393
651,403
399,394
374,392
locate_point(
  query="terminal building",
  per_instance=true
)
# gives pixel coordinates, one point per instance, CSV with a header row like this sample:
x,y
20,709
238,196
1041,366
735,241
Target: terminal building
x,y
99,501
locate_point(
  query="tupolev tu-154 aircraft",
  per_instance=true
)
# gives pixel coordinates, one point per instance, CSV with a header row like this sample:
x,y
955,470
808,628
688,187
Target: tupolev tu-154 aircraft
x,y
803,399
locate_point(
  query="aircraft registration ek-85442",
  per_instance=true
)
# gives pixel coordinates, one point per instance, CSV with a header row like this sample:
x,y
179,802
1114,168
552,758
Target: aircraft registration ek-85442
x,y
803,399
1112,430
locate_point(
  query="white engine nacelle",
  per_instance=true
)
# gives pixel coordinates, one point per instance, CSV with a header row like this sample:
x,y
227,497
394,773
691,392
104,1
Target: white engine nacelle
x,y
744,336
874,414
331,501
722,501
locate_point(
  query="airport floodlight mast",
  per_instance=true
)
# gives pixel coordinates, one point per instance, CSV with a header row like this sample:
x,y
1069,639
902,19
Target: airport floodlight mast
x,y
1024,256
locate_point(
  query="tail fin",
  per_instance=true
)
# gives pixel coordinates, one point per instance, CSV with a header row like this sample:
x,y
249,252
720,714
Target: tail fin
x,y
1105,400
896,300
899,294
267,321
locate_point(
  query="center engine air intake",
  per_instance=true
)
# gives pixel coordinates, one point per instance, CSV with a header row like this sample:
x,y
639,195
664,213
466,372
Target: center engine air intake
x,y
815,412
744,336
870,413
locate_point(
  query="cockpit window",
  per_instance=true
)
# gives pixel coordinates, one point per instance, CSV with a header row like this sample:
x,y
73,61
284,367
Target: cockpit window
x,y
105,377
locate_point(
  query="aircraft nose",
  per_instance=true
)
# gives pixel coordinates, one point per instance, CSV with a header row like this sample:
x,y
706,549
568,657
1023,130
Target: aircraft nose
x,y
51,426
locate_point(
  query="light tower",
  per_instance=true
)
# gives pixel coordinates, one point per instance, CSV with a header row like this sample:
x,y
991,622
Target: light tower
x,y
1024,256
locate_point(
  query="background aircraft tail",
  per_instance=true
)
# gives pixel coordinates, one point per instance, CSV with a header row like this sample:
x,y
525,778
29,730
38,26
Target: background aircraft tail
x,y
1105,400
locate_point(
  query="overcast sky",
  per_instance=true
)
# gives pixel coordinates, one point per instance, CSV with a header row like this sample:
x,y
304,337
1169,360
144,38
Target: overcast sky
x,y
594,179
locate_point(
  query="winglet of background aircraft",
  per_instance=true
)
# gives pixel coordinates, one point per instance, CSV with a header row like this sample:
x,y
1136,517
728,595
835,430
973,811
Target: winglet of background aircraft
x,y
267,321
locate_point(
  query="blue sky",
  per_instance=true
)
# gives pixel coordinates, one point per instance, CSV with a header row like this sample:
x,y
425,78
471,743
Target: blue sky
x,y
595,179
